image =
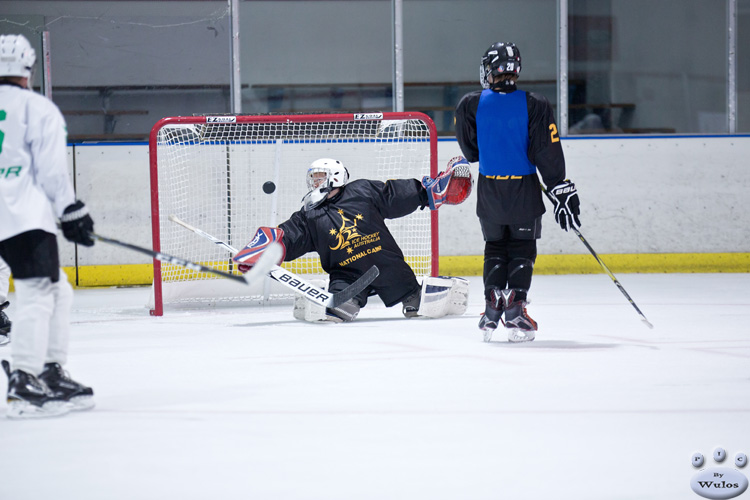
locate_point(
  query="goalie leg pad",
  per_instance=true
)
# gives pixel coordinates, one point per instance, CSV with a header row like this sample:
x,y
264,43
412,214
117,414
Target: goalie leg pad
x,y
459,298
443,295
306,310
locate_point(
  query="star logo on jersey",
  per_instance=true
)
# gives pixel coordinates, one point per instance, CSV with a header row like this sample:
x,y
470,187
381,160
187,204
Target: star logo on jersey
x,y
346,234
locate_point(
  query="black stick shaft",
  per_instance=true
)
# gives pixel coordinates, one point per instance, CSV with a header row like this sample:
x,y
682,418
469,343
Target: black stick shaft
x,y
605,268
162,257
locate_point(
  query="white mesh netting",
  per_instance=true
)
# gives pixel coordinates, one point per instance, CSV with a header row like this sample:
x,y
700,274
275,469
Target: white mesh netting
x,y
210,175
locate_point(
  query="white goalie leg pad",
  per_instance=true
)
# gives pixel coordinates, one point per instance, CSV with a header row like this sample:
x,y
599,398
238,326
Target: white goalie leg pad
x,y
306,310
443,295
459,299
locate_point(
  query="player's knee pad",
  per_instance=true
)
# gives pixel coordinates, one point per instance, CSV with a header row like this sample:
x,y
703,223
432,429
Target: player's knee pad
x,y
443,295
520,272
521,266
495,271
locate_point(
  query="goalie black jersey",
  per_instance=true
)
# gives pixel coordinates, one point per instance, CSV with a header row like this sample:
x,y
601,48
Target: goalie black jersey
x,y
511,135
349,233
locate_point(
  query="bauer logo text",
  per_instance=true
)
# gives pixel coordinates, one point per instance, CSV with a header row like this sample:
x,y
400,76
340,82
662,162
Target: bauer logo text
x,y
304,288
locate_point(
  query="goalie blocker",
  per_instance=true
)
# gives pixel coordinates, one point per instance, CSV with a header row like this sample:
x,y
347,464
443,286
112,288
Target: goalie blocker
x,y
251,254
440,296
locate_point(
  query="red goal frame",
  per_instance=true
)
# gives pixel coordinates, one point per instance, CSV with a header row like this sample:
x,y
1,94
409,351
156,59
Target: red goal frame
x,y
158,309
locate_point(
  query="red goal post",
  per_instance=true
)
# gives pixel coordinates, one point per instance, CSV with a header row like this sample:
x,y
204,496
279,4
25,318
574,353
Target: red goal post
x,y
209,172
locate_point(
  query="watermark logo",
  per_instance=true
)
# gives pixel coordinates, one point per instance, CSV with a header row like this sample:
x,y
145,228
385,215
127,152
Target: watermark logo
x,y
719,482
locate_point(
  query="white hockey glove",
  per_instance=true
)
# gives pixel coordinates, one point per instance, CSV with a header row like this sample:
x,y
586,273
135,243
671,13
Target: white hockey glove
x,y
567,205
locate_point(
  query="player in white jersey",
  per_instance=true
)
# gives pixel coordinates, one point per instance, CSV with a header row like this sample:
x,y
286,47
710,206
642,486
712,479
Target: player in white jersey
x,y
4,285
35,191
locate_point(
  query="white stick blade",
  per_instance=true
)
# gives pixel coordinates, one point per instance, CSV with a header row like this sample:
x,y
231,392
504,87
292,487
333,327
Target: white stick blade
x,y
271,256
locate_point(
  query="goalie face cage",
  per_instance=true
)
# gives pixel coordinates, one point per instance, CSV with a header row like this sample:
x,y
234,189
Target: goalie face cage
x,y
209,171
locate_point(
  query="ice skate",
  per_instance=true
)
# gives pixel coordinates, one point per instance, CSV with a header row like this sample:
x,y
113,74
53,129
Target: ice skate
x,y
4,324
518,323
29,397
493,311
64,387
343,313
411,305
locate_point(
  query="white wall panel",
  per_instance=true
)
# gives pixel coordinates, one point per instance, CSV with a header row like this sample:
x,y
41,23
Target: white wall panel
x,y
113,181
638,195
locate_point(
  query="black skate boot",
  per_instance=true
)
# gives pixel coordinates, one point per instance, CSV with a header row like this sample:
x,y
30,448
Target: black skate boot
x,y
411,304
518,323
64,387
4,324
493,310
343,313
29,397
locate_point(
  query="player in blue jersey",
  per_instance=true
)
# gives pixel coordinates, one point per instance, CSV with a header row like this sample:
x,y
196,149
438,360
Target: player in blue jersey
x,y
512,134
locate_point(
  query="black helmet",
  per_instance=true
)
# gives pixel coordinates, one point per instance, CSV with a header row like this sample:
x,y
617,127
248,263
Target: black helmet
x,y
500,58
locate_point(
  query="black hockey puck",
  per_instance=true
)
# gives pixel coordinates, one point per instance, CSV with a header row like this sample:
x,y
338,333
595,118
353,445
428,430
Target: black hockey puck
x,y
269,187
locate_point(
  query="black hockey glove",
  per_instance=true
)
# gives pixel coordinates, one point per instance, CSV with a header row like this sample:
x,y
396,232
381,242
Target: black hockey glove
x,y
567,205
77,224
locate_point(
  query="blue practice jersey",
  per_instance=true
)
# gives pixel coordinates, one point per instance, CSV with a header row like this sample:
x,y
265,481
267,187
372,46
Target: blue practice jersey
x,y
503,134
512,135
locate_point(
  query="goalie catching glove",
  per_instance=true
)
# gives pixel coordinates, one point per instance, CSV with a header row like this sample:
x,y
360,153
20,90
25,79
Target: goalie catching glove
x,y
567,205
452,186
249,256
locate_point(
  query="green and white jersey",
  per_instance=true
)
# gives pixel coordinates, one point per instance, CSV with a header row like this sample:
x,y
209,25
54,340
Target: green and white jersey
x,y
35,186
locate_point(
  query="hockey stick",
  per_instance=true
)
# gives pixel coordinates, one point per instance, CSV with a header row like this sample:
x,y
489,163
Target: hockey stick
x,y
604,267
291,280
264,264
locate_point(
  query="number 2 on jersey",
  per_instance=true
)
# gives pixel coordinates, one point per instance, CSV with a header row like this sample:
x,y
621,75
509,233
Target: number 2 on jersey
x,y
553,133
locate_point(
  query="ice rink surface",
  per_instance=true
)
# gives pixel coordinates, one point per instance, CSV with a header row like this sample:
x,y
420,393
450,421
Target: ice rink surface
x,y
248,403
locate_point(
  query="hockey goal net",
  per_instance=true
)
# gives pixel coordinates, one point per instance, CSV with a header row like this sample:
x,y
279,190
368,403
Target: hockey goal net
x,y
209,171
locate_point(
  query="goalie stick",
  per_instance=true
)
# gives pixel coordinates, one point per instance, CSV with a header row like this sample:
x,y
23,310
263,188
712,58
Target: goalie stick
x,y
604,267
290,280
263,265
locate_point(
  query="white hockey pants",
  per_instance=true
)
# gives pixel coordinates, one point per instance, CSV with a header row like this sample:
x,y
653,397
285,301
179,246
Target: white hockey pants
x,y
4,281
41,323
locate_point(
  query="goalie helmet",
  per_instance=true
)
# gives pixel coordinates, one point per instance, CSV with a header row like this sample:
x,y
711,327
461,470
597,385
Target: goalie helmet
x,y
336,174
17,58
323,175
501,58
